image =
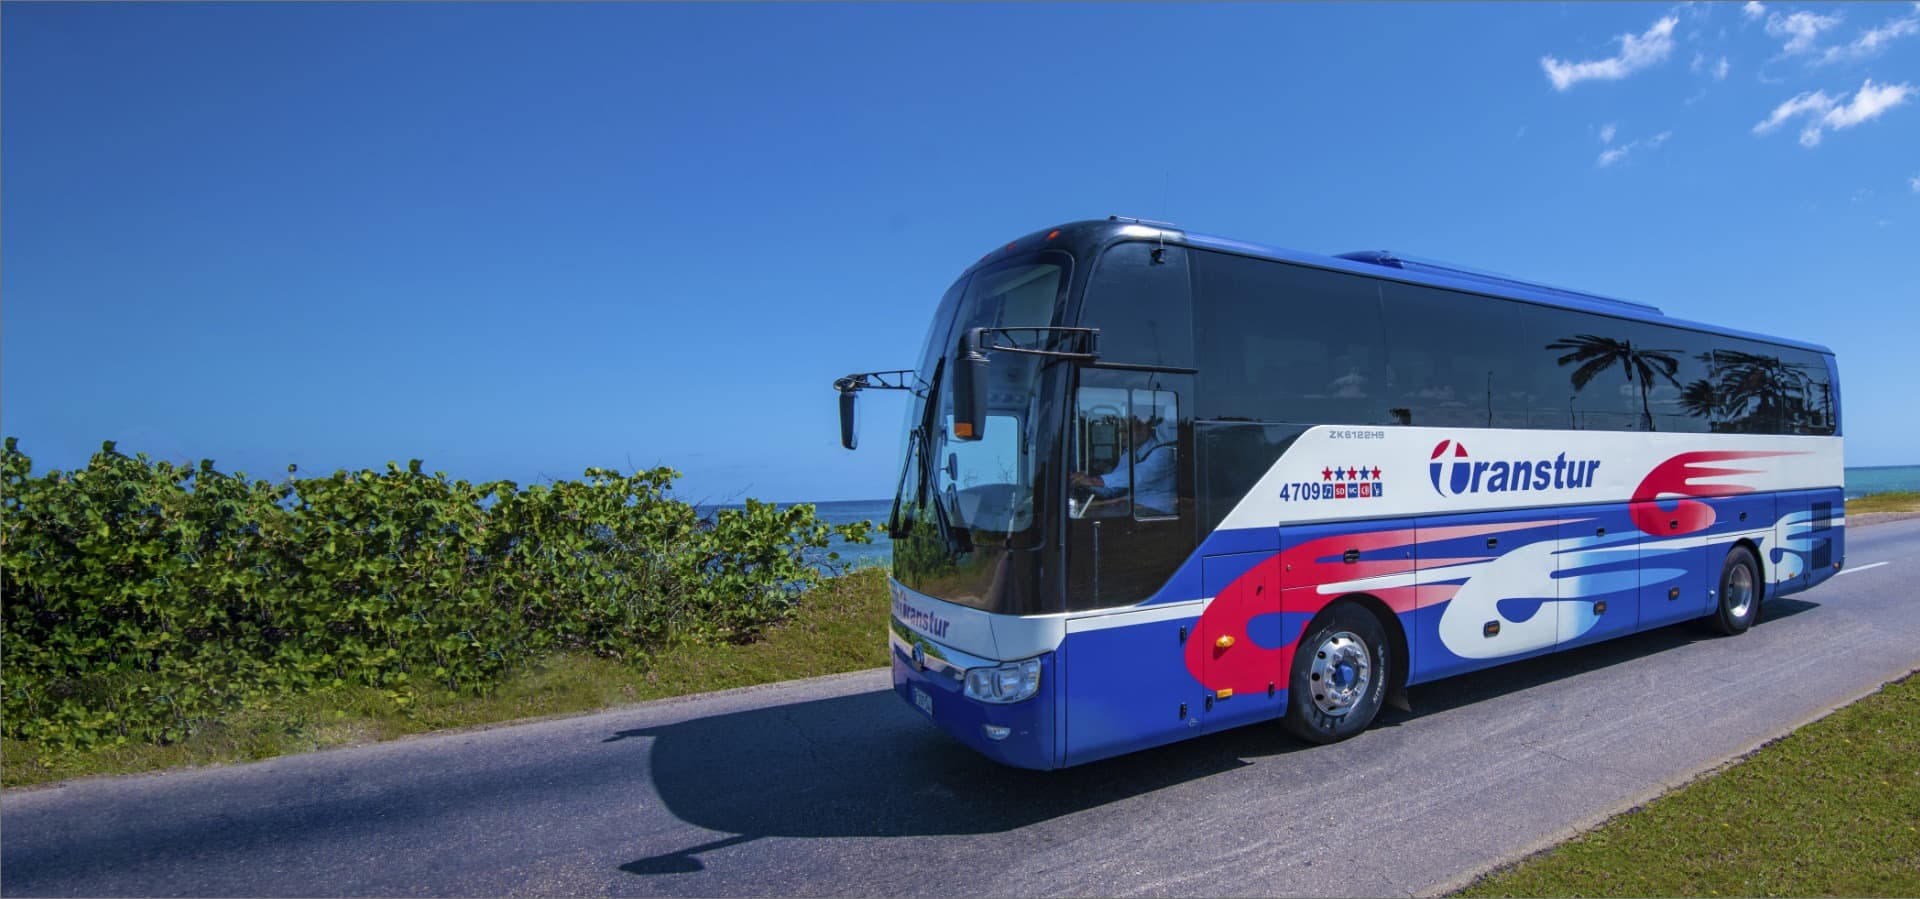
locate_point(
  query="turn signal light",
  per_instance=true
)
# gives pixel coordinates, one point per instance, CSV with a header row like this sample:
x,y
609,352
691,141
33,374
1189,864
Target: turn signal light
x,y
1223,642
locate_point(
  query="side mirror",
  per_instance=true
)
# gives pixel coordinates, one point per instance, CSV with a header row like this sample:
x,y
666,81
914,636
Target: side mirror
x,y
849,421
970,387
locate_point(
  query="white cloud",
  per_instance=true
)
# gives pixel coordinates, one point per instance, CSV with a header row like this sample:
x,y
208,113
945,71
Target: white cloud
x,y
1718,70
1827,113
1801,29
1637,51
1811,101
1606,133
1914,183
1868,103
1874,40
1615,154
1754,9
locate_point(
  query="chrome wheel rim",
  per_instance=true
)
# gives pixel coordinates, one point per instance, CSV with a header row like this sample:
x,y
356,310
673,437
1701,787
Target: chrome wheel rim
x,y
1739,591
1341,672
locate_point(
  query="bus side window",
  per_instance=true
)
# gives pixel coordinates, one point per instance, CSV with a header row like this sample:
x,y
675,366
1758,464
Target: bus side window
x,y
1156,453
1101,446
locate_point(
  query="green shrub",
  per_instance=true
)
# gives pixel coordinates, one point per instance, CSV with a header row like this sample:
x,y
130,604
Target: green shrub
x,y
143,599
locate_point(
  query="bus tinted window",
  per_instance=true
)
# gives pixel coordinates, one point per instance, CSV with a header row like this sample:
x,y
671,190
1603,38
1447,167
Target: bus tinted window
x,y
1819,418
1654,369
1460,360
1287,343
1675,400
1601,367
1143,308
1765,389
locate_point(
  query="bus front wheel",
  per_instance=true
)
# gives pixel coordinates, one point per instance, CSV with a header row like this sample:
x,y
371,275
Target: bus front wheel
x,y
1341,670
1739,605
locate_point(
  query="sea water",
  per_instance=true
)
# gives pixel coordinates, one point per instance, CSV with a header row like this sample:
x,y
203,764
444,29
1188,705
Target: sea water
x,y
1883,478
859,555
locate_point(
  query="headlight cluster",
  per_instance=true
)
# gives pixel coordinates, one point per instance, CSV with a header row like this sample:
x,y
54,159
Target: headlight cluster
x,y
1011,682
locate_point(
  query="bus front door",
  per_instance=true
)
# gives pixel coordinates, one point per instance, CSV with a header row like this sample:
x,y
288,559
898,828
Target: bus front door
x,y
1130,528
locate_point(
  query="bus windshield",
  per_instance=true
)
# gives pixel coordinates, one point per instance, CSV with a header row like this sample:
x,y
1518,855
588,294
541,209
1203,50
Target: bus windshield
x,y
956,495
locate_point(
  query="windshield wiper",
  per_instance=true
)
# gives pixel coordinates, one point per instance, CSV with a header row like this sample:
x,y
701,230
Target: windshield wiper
x,y
955,539
916,467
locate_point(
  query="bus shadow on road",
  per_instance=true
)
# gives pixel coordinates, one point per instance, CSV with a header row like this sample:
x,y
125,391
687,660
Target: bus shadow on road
x,y
866,766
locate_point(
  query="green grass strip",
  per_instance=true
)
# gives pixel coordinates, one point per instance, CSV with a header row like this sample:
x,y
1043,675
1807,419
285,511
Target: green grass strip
x,y
840,626
1891,501
1832,809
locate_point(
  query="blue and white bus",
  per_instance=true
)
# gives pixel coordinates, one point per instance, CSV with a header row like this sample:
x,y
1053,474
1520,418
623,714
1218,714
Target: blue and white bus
x,y
1159,484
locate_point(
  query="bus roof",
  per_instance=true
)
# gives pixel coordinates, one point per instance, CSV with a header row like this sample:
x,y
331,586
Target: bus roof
x,y
1392,266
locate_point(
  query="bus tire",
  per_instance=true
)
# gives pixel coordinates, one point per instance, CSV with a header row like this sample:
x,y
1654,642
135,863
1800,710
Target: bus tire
x,y
1341,671
1739,605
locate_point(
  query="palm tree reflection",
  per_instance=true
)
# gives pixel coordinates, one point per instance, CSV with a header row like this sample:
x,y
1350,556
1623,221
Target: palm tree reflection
x,y
1758,393
1596,354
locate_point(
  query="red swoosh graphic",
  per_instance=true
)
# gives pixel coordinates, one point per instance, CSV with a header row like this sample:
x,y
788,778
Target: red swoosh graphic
x,y
1677,478
1247,667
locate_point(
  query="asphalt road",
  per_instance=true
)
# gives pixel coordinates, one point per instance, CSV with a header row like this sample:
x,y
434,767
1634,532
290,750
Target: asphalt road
x,y
834,787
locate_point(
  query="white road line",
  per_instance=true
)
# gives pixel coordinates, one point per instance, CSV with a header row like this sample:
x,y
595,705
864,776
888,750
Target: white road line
x,y
1861,568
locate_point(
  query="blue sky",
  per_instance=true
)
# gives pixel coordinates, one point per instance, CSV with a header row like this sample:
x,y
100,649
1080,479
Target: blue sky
x,y
518,240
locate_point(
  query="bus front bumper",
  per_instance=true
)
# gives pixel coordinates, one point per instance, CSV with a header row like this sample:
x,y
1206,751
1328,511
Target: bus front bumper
x,y
932,681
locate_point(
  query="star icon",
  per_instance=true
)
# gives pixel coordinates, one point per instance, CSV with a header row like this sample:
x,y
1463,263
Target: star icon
x,y
1326,474
1376,473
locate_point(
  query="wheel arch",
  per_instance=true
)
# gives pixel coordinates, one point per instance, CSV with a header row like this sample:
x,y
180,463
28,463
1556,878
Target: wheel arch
x,y
1390,623
1759,564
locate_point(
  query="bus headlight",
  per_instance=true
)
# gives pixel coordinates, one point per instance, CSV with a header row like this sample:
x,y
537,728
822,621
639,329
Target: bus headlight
x,y
1011,682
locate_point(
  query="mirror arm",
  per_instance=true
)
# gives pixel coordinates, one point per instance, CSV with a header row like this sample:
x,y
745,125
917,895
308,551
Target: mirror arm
x,y
903,379
850,387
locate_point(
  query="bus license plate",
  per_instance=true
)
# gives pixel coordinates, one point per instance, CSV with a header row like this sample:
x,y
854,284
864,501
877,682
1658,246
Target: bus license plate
x,y
922,699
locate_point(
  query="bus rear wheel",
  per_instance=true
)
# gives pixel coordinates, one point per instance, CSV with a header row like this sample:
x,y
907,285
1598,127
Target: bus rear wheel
x,y
1739,593
1341,670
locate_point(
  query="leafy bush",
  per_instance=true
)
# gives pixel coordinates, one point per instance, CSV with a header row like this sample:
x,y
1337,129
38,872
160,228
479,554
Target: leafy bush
x,y
144,598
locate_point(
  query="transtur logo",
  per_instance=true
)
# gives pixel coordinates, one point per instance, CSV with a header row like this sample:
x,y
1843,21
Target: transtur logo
x,y
1459,474
1460,470
920,619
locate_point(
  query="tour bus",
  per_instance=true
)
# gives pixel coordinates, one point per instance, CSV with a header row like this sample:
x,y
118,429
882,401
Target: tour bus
x,y
1158,484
